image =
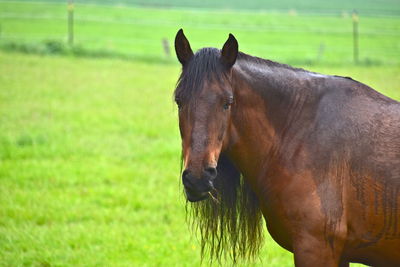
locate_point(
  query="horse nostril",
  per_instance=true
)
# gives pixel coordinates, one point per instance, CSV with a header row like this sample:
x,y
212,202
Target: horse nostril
x,y
185,173
211,172
185,178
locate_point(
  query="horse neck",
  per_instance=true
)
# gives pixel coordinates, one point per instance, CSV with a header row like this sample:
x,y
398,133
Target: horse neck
x,y
269,101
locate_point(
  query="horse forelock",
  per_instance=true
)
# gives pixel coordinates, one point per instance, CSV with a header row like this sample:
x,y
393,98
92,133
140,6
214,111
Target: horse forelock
x,y
205,66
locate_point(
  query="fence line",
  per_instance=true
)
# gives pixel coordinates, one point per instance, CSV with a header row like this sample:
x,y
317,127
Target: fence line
x,y
207,26
248,27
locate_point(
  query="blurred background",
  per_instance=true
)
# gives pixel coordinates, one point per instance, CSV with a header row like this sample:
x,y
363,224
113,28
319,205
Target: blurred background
x,y
89,142
300,32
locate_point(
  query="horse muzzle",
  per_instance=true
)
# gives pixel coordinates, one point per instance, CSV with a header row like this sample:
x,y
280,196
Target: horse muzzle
x,y
197,189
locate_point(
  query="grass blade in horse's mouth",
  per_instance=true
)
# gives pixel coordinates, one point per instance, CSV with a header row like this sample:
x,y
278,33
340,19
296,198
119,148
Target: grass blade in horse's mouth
x,y
212,197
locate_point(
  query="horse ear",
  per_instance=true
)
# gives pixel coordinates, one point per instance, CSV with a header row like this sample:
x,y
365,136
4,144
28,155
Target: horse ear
x,y
229,51
182,48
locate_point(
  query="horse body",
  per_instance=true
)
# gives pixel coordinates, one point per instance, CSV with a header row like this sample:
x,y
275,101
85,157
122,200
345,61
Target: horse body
x,y
320,153
330,150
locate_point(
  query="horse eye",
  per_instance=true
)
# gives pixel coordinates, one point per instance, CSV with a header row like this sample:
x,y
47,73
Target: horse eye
x,y
229,103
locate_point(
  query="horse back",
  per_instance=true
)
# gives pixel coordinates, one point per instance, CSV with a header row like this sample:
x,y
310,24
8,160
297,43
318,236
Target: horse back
x,y
355,145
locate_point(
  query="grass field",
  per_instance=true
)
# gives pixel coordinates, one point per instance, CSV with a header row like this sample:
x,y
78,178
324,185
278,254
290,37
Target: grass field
x,y
382,7
89,163
89,148
293,38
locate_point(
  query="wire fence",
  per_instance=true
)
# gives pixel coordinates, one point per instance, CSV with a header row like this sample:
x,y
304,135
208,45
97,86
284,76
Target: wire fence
x,y
111,30
209,26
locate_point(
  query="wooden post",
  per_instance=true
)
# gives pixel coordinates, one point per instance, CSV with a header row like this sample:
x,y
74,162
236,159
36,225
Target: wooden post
x,y
355,36
321,51
166,47
71,22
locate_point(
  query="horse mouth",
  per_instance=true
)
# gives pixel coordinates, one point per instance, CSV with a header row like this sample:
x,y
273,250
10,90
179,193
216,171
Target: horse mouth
x,y
195,196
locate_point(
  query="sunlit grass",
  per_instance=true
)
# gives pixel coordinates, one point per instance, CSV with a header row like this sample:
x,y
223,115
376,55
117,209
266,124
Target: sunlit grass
x,y
139,31
89,163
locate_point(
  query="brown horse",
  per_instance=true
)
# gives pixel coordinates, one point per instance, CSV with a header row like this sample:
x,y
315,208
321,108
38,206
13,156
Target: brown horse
x,y
317,156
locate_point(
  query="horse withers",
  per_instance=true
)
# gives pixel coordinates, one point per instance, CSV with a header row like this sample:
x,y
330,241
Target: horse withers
x,y
317,156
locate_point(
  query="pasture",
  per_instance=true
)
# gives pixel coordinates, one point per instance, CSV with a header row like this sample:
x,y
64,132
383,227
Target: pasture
x,y
90,163
287,37
90,148
383,7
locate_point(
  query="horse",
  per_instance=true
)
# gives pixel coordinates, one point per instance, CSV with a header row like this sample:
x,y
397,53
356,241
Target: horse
x,y
316,156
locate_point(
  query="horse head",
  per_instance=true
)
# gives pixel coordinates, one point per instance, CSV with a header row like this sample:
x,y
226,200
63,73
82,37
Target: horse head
x,y
204,96
226,211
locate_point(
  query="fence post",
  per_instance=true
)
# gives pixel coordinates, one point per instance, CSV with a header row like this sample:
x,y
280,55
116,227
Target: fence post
x,y
355,36
166,47
70,22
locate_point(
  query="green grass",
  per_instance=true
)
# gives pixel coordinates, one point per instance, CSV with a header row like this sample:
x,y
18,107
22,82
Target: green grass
x,y
382,7
89,163
89,148
293,38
